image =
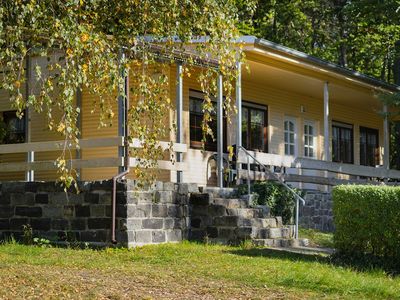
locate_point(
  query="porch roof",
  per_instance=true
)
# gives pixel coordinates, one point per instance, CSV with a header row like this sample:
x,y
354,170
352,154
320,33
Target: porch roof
x,y
253,44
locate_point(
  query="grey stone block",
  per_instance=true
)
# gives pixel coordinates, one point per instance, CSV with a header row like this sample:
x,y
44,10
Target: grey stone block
x,y
201,199
58,198
140,211
69,210
168,223
13,187
163,197
42,198
59,224
158,186
42,224
217,210
78,224
97,210
159,210
53,211
143,197
105,198
143,237
5,199
134,224
95,236
82,211
152,223
170,186
6,211
174,235
158,236
174,211
186,188
4,224
99,223
92,198
22,199
27,211
17,223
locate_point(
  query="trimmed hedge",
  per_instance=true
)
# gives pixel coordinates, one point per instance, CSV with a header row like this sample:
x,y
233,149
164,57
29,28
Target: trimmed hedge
x,y
367,220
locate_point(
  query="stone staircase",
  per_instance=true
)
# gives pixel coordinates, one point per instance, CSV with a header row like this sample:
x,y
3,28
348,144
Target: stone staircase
x,y
220,217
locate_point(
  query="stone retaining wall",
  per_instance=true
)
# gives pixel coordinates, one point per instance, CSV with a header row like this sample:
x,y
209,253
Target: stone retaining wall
x,y
317,212
160,215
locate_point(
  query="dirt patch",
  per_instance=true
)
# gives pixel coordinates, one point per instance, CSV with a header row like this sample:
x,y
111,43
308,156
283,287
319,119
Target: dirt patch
x,y
42,282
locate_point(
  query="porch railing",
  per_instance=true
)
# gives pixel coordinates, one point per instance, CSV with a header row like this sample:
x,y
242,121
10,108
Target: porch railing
x,y
313,171
98,162
250,157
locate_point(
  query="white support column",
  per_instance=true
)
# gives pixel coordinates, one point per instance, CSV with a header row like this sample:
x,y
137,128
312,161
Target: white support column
x,y
238,117
220,134
122,116
327,129
386,145
29,175
179,112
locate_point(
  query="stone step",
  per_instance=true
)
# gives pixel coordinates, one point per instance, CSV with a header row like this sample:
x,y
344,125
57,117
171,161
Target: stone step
x,y
232,202
247,212
217,192
266,222
282,242
238,221
273,233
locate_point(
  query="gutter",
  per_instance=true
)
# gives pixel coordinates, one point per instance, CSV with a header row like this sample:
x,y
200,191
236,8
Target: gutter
x,y
126,163
268,45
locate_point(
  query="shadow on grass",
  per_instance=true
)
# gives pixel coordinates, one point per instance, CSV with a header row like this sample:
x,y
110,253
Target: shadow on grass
x,y
280,254
360,263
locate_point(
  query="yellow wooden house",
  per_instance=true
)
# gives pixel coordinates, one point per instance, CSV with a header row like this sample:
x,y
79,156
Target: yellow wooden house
x,y
312,122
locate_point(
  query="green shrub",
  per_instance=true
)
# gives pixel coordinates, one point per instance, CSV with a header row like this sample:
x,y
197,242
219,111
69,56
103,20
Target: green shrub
x,y
367,220
280,201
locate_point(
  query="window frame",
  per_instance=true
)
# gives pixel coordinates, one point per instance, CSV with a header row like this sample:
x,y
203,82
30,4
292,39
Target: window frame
x,y
341,126
209,145
313,136
376,155
295,142
256,107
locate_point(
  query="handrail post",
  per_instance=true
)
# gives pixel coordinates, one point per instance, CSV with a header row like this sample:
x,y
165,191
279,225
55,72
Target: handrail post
x,y
297,219
248,177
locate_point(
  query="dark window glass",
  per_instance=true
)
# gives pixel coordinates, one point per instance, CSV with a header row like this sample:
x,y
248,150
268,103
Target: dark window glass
x,y
254,129
196,132
13,126
369,147
342,143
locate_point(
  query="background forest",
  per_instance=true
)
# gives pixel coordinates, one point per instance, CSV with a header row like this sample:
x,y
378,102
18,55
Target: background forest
x,y
360,35
363,35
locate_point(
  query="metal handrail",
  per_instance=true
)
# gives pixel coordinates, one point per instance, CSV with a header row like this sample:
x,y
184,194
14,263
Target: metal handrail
x,y
279,179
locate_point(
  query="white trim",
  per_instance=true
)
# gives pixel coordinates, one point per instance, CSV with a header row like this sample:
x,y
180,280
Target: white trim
x,y
295,144
313,136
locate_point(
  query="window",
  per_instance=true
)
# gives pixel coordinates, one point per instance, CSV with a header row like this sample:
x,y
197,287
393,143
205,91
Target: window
x,y
342,142
13,128
369,147
196,119
254,127
290,136
309,139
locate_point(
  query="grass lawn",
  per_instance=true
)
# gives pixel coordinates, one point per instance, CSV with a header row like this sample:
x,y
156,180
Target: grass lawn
x,y
317,238
182,271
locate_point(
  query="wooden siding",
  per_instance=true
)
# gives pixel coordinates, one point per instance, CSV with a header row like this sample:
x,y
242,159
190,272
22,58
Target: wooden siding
x,y
280,103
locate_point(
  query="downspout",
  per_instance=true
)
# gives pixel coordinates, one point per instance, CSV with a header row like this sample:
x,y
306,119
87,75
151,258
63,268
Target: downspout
x,y
126,161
